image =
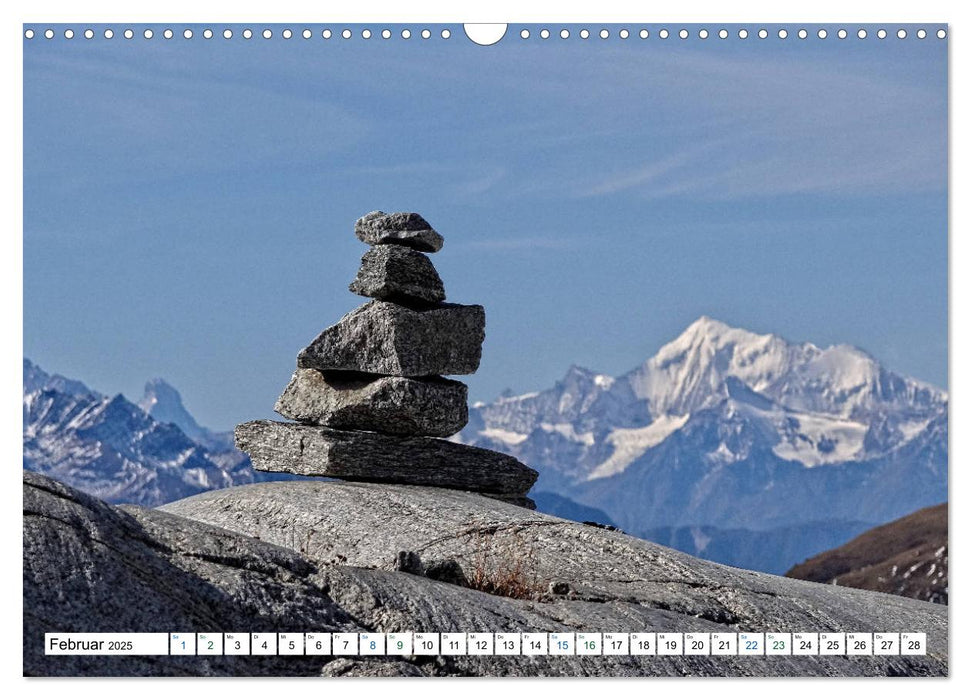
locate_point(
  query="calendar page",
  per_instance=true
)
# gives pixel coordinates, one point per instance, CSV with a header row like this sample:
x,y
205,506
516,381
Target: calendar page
x,y
430,349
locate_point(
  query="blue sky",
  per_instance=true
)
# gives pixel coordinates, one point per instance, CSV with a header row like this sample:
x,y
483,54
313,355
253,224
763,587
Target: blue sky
x,y
189,205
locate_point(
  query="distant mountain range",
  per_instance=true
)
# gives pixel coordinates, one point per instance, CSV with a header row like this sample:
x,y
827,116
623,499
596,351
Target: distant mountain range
x,y
119,452
906,557
741,448
744,448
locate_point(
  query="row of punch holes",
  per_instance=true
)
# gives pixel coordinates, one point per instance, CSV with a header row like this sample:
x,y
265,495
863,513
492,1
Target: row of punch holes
x,y
524,33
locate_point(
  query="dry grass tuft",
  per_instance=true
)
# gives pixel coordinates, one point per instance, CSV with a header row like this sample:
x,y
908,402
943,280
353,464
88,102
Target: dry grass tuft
x,y
503,568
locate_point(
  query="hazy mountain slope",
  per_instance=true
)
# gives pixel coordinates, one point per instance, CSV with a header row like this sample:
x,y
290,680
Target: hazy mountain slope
x,y
772,551
163,403
563,507
907,557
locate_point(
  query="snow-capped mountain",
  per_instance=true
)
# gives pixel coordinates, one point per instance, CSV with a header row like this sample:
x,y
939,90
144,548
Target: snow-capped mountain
x,y
111,448
730,429
694,372
36,379
163,403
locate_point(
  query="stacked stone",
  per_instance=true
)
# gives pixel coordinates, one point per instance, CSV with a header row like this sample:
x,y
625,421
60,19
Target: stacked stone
x,y
369,395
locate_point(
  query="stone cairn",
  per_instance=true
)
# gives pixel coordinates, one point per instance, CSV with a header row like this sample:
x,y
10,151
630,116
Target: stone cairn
x,y
368,396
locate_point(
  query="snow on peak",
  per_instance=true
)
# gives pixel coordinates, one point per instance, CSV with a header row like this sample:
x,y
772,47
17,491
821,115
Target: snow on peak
x,y
604,381
692,373
36,380
164,403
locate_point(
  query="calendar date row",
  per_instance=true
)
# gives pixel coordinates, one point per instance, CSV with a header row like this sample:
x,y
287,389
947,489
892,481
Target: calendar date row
x,y
490,644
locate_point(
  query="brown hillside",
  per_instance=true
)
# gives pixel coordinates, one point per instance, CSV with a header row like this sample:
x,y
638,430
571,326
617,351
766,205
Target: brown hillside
x,y
906,557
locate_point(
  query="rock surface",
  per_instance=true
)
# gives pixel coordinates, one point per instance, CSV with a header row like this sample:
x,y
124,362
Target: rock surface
x,y
361,456
398,273
401,228
385,338
391,405
92,567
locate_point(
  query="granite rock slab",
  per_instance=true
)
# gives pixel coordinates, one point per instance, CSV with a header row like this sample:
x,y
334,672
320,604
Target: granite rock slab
x,y
392,405
394,272
364,456
400,228
319,556
382,337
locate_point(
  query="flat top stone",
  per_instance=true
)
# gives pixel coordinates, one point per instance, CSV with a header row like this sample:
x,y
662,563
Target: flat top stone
x,y
400,228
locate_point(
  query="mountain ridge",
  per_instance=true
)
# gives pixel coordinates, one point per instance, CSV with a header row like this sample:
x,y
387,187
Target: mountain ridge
x,y
724,428
113,449
775,436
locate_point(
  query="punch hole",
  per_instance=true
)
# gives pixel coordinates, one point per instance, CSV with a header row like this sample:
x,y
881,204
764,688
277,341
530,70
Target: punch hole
x,y
148,33
267,34
366,34
207,34
723,34
783,33
68,33
743,33
306,33
129,34
544,34
89,34
425,34
663,33
385,33
564,33
187,34
821,34
346,34
109,34
841,33
326,34
941,34
524,34
486,34
49,34
227,34
168,34
921,34
584,33
604,34
29,34
861,33
803,34
405,33
446,33
287,34
703,33
901,33
683,34
881,34
624,33
247,33
644,34
763,34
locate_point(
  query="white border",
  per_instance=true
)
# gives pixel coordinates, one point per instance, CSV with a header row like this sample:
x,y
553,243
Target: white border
x,y
603,11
